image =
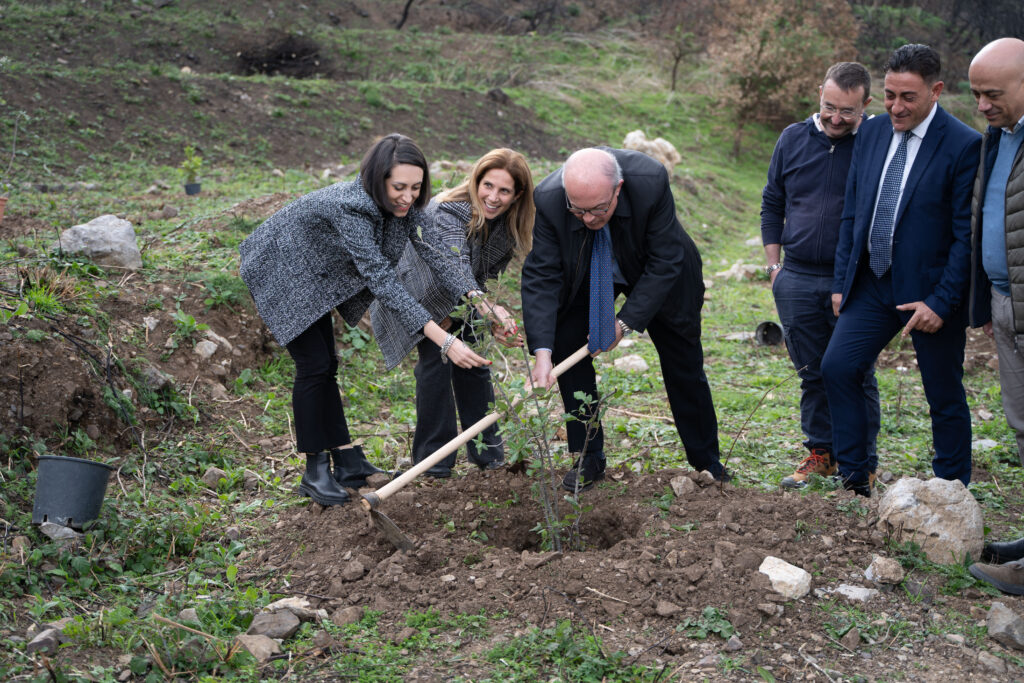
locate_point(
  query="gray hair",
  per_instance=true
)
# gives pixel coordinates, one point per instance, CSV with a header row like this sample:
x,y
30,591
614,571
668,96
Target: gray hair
x,y
610,168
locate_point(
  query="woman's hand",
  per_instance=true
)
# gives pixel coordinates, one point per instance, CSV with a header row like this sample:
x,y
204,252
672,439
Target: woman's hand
x,y
463,356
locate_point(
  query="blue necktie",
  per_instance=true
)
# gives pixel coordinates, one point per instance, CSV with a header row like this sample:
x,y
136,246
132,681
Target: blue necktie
x,y
885,212
602,294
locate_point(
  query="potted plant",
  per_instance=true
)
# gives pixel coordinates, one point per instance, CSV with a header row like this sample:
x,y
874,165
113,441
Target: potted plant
x,y
190,168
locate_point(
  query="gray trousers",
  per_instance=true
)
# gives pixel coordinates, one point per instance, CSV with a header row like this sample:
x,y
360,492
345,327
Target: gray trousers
x,y
1011,367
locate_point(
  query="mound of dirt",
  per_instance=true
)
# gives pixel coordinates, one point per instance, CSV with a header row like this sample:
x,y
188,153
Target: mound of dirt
x,y
649,562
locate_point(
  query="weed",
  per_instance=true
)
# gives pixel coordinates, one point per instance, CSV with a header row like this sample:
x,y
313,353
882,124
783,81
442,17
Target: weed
x,y
711,620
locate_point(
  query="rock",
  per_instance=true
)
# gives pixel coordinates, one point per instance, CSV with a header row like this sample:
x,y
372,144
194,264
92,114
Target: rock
x,y
218,340
659,149
985,415
741,271
631,363
984,445
323,640
682,486
1005,626
851,640
448,578
708,662
59,532
298,606
218,391
626,343
212,477
353,571
260,647
856,593
769,609
991,662
405,634
232,533
754,241
188,615
280,625
694,573
955,638
665,608
939,515
154,378
347,615
705,478
740,336
250,480
47,641
734,644
106,241
884,570
787,580
538,560
20,544
205,348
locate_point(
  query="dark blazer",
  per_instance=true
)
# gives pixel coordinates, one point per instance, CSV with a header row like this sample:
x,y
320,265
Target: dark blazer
x,y
932,238
656,257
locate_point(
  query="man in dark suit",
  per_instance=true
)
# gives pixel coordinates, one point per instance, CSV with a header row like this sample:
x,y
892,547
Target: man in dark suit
x,y
621,201
902,262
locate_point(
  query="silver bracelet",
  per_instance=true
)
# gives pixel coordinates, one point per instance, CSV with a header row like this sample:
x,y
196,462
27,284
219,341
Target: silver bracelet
x,y
448,341
626,329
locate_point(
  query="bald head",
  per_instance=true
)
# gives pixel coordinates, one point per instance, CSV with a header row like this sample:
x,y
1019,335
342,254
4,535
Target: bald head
x,y
591,178
997,81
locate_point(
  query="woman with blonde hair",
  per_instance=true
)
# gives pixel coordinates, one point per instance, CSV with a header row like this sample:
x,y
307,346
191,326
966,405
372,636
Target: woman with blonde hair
x,y
485,221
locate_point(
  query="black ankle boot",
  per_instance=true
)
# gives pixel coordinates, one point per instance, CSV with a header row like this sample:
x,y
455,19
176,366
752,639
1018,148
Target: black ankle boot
x,y
317,482
998,553
351,468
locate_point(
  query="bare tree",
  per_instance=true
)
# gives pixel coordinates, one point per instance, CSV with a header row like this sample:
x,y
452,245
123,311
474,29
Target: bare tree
x,y
405,15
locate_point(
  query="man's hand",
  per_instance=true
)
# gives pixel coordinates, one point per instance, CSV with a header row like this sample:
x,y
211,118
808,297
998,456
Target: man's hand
x,y
923,319
618,338
541,375
987,328
836,300
775,274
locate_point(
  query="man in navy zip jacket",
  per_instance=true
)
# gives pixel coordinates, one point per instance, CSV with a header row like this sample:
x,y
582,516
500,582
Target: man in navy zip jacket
x,y
801,205
902,263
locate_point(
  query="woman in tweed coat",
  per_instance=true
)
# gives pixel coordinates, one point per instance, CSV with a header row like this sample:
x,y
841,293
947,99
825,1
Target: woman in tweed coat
x,y
485,220
337,248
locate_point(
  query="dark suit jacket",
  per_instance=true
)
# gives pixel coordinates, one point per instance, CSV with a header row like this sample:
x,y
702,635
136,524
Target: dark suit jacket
x,y
931,243
656,257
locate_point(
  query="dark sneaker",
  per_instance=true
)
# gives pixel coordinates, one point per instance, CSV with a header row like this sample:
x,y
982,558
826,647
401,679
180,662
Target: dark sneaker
x,y
1007,577
592,470
820,462
862,488
723,477
439,472
998,553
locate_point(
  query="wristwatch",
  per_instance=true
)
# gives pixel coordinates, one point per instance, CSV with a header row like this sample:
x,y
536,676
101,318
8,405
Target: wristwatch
x,y
624,328
768,270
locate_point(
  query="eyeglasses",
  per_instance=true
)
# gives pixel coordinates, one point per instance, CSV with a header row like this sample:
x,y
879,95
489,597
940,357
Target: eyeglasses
x,y
845,114
597,212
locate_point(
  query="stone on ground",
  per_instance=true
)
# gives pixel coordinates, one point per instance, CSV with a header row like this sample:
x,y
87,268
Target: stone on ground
x,y
658,149
106,241
46,641
787,579
884,570
260,647
631,363
280,625
939,515
1005,626
347,615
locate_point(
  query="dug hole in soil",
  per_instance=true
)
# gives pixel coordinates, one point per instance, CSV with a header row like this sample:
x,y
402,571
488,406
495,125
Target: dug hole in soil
x,y
644,570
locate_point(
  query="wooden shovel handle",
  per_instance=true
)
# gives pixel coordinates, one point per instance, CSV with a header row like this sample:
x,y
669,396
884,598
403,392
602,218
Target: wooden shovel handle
x,y
371,500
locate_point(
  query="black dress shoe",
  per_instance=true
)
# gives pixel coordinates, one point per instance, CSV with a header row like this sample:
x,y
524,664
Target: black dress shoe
x,y
861,488
439,472
317,482
591,470
998,553
492,464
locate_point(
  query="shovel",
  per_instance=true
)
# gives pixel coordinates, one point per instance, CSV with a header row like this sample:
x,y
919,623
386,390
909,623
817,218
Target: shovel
x,y
373,499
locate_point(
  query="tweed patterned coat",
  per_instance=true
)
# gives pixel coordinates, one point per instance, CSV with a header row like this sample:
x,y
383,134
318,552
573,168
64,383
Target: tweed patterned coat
x,y
479,260
334,248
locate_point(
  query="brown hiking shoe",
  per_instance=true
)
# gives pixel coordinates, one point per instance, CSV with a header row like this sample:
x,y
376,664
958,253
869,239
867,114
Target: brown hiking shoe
x,y
820,461
1008,577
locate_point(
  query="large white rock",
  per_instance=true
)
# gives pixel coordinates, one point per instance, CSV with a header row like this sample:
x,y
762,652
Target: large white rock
x,y
631,363
659,148
939,515
884,570
787,579
106,241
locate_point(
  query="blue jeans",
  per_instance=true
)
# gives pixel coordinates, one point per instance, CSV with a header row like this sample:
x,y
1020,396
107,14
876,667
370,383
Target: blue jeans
x,y
804,303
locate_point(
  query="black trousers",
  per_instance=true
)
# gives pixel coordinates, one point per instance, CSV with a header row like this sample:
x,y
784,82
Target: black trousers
x,y
443,388
682,367
316,403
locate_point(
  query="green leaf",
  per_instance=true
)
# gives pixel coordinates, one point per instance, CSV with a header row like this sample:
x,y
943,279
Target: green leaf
x,y
232,572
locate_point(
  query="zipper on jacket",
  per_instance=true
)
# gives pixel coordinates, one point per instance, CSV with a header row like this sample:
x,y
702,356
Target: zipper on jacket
x,y
824,204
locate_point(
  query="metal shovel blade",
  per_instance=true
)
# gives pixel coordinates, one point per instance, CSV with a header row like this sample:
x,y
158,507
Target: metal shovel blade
x,y
391,531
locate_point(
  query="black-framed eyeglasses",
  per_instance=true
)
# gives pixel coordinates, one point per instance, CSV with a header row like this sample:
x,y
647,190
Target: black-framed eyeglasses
x,y
597,211
846,114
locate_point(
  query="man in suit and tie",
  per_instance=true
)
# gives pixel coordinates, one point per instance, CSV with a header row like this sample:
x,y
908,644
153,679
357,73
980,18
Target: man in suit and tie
x,y
606,224
902,263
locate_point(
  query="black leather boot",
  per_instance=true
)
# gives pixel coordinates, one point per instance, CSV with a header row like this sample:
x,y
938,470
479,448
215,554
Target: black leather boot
x,y
351,468
998,553
317,482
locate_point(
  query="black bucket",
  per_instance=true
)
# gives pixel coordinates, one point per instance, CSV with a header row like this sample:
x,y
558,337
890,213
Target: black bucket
x,y
69,491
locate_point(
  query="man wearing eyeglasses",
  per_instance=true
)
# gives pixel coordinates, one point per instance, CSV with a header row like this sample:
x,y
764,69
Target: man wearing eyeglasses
x,y
801,205
606,225
902,264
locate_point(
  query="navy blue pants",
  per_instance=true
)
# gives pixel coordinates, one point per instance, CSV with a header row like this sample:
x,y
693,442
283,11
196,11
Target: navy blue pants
x,y
868,321
804,303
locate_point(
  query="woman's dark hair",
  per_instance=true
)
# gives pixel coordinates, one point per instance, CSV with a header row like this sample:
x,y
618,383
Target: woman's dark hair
x,y
388,152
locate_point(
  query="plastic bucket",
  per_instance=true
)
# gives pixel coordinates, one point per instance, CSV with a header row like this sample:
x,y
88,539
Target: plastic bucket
x,y
69,491
768,334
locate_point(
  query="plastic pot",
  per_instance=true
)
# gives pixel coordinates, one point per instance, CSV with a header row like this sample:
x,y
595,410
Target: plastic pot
x,y
193,188
69,491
